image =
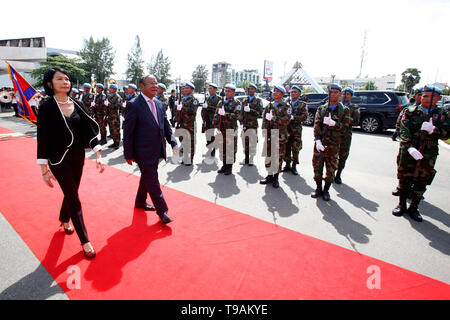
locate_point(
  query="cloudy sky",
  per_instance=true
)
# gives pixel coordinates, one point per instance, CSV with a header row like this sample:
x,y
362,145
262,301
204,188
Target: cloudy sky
x,y
325,36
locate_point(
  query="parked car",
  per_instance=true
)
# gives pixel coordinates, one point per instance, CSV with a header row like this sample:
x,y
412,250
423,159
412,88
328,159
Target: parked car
x,y
444,102
379,109
315,97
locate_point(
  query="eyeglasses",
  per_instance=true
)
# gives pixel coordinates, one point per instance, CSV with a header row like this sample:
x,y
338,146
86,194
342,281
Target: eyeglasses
x,y
150,84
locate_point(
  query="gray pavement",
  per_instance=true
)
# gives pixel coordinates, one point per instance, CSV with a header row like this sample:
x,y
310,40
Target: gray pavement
x,y
358,217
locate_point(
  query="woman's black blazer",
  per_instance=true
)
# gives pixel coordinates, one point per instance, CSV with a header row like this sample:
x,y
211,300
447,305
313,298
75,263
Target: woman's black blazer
x,y
54,136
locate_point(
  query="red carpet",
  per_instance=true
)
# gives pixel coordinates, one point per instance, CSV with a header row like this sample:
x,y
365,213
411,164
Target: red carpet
x,y
208,252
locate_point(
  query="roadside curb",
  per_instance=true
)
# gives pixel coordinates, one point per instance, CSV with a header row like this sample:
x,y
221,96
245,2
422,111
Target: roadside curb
x,y
444,144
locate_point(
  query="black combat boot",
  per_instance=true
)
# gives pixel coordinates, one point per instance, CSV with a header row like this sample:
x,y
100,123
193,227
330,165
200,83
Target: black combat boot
x,y
400,209
115,145
246,160
318,192
396,192
103,140
413,209
294,169
326,194
275,182
338,179
267,180
222,170
228,169
250,161
287,167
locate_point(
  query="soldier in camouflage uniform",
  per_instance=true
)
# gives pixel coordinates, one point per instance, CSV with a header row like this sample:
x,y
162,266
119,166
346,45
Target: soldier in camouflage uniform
x,y
99,109
130,94
346,138
418,101
208,112
294,143
330,120
226,119
160,95
250,112
421,127
87,98
186,118
113,115
277,115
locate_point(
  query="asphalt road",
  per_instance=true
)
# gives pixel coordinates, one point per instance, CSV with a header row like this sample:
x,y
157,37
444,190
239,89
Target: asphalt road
x,y
358,217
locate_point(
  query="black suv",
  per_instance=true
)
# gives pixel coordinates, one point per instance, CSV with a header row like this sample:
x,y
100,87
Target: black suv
x,y
379,109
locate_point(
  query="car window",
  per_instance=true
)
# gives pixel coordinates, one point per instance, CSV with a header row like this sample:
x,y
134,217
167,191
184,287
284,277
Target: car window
x,y
377,98
359,98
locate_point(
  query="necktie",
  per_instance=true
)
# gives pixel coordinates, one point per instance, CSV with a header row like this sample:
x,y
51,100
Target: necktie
x,y
153,108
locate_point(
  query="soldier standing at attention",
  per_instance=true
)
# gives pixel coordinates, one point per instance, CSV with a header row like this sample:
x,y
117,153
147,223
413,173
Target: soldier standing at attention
x,y
129,95
172,100
100,103
208,112
421,127
160,95
250,112
113,115
294,142
87,98
225,120
187,116
331,118
346,139
276,116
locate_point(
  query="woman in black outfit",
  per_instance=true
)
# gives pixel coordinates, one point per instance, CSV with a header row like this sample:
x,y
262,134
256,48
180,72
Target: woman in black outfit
x,y
64,130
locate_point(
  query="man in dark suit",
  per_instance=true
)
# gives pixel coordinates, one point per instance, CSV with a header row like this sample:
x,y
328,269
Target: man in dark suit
x,y
144,129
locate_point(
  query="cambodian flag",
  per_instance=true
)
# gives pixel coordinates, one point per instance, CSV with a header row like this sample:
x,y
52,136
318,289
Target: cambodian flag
x,y
23,92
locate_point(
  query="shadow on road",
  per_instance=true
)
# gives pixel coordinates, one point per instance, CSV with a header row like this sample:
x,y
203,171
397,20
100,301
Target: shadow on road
x,y
278,201
250,174
355,198
351,230
297,184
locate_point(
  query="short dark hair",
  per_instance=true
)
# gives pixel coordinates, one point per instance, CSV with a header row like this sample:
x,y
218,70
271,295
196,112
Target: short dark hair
x,y
48,77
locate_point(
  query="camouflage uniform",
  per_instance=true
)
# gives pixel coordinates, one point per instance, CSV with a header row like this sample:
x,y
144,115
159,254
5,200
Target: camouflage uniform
x,y
113,116
164,101
282,113
187,120
208,116
127,98
331,140
232,109
249,120
100,114
346,137
294,143
87,99
410,135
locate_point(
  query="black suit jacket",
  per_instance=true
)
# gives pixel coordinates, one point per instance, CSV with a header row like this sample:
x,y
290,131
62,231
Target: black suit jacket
x,y
54,136
143,138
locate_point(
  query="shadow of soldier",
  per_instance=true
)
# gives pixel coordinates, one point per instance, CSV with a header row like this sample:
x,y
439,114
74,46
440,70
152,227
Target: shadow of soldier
x,y
278,201
124,246
439,239
180,173
207,165
297,184
39,285
351,230
355,198
224,186
250,174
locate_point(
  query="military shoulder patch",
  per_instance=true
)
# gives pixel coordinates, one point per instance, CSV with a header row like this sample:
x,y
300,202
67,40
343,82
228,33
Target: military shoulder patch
x,y
289,111
195,102
238,107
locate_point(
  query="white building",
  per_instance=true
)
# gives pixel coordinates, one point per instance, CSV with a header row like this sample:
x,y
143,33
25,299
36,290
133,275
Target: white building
x,y
222,73
386,82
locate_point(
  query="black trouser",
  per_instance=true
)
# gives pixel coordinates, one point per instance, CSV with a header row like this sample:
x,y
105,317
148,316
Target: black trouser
x,y
149,184
68,174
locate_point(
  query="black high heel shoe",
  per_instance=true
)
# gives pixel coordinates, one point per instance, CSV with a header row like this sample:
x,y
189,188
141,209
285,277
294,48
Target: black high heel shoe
x,y
69,230
89,254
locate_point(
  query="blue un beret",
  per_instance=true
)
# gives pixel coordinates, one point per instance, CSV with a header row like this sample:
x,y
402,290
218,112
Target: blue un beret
x,y
189,84
279,87
75,90
252,85
213,85
99,85
231,86
162,85
113,86
419,90
131,85
348,89
296,87
335,86
431,88
87,85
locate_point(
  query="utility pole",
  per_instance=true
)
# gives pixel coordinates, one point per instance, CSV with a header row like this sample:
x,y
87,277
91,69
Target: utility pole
x,y
363,53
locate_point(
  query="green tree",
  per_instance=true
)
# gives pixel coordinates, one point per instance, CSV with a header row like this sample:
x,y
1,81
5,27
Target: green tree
x,y
400,87
410,77
370,86
98,57
199,77
74,67
135,65
160,68
243,85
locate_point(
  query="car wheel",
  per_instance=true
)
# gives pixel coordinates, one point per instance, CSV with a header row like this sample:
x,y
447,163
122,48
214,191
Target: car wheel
x,y
310,120
371,124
